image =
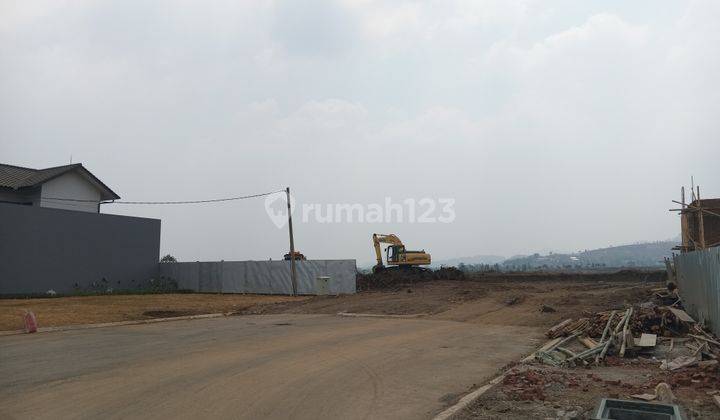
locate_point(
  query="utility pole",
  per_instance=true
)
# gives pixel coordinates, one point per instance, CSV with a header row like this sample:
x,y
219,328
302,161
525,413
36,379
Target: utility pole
x,y
292,244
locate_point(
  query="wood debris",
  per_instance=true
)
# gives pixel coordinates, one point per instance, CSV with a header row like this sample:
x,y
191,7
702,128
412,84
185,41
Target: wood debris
x,y
559,329
681,315
630,332
679,362
647,340
644,397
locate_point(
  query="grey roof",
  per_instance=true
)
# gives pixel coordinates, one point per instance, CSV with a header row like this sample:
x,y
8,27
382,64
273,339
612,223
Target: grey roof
x,y
17,177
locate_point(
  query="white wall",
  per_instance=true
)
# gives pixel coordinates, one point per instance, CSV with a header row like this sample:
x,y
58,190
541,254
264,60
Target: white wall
x,y
70,185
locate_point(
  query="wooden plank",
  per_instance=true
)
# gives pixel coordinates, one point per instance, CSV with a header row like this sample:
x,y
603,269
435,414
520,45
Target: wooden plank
x,y
645,397
555,330
681,315
565,340
705,339
545,346
588,342
647,340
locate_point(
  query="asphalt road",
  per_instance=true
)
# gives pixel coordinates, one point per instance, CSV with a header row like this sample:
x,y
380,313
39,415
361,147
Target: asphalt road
x,y
270,366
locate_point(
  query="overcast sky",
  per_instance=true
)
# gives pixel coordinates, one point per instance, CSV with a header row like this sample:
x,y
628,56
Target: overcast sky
x,y
554,125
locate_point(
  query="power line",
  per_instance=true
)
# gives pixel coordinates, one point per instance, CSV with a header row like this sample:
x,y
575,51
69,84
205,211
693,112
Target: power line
x,y
215,200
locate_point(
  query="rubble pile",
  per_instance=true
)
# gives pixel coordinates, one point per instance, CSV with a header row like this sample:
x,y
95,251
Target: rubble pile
x,y
525,385
702,378
639,330
653,335
657,320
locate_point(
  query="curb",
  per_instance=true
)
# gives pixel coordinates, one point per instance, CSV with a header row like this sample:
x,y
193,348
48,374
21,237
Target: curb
x,y
467,399
114,324
355,315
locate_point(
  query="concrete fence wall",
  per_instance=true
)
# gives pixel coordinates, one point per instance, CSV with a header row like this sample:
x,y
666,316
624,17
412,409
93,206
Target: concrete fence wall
x,y
262,277
698,278
70,251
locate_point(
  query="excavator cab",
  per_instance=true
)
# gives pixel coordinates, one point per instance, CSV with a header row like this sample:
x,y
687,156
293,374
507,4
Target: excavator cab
x,y
395,253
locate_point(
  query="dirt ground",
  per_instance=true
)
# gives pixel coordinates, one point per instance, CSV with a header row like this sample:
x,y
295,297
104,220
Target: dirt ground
x,y
483,300
547,392
51,312
490,299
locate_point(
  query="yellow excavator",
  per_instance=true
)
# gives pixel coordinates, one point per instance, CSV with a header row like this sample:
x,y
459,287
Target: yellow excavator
x,y
396,254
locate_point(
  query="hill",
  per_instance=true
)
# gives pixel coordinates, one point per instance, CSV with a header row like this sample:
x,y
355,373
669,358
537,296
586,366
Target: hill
x,y
476,259
637,255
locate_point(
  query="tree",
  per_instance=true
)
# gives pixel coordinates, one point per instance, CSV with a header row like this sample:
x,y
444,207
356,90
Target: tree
x,y
168,259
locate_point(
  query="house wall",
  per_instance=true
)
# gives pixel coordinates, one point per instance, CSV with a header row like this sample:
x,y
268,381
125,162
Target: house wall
x,y
70,185
69,251
263,277
23,196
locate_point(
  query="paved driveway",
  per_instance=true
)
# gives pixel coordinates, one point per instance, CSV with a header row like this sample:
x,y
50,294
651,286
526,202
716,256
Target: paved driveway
x,y
271,366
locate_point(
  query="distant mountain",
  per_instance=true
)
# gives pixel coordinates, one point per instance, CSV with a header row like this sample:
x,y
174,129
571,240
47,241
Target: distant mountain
x,y
476,259
637,255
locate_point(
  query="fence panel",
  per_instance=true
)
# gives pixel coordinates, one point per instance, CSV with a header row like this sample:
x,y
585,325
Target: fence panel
x,y
262,277
698,278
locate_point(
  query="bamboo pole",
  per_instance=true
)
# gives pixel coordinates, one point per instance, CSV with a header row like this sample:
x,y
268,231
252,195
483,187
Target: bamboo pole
x,y
607,327
625,328
622,321
565,340
701,220
586,353
604,350
684,224
604,334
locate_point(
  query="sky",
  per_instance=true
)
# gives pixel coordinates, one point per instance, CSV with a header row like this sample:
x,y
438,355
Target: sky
x,y
548,125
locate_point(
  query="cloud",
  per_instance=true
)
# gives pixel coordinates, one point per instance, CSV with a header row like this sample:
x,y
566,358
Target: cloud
x,y
506,106
315,28
436,126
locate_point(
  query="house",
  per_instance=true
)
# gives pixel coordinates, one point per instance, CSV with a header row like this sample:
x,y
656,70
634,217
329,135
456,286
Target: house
x,y
68,187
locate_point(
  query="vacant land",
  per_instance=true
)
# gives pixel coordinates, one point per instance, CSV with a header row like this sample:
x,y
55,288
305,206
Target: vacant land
x,y
284,356
51,312
498,299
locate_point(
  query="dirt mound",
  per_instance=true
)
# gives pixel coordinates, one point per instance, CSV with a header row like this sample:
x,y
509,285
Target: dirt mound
x,y
398,277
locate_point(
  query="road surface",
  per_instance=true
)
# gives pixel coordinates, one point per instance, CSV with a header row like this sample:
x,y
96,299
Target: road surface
x,y
265,366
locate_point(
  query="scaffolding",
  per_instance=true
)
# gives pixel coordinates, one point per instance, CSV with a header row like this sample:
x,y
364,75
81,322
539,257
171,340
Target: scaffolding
x,y
699,221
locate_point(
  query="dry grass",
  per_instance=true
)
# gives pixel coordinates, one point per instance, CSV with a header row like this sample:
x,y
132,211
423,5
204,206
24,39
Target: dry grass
x,y
95,309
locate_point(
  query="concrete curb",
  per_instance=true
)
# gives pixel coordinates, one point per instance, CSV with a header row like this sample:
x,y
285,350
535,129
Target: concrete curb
x,y
115,324
409,316
466,400
469,398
